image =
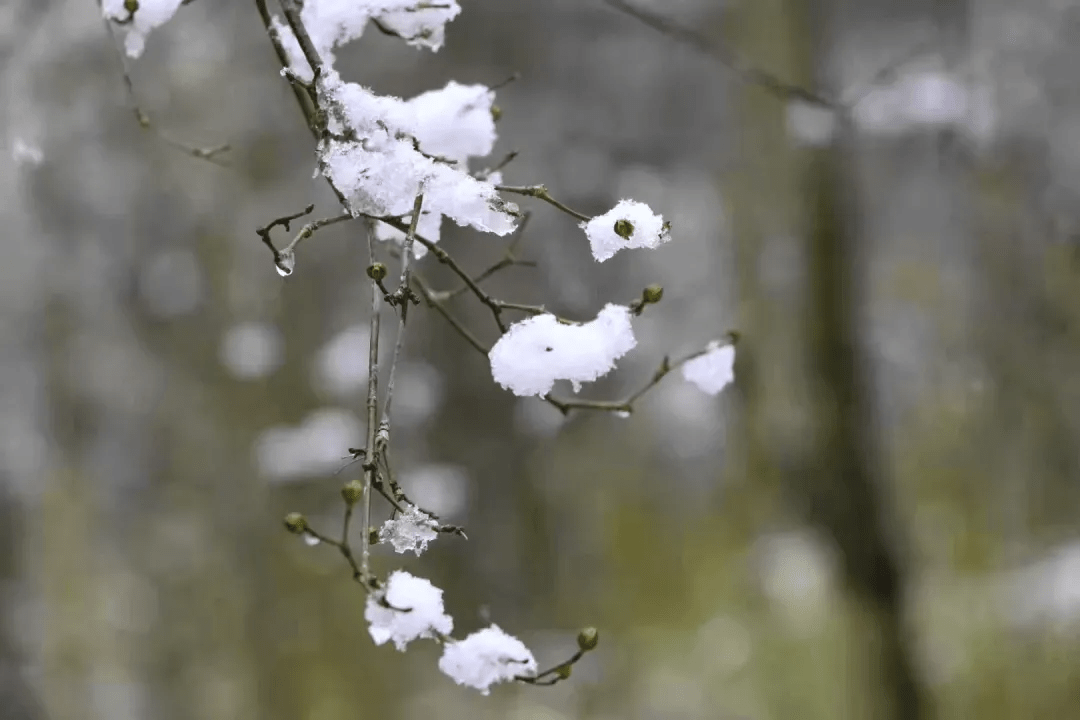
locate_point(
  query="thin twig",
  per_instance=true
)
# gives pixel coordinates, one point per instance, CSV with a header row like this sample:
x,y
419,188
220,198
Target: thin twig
x,y
372,407
438,306
446,259
541,193
309,229
627,405
739,66
303,99
865,87
508,259
210,154
404,297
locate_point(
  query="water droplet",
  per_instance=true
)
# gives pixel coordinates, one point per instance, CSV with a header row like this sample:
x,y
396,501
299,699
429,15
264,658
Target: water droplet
x,y
311,540
622,414
285,262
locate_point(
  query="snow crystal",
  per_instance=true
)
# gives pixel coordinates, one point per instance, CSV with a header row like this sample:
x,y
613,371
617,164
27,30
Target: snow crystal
x,y
149,15
712,370
487,657
411,530
629,224
331,23
416,611
536,352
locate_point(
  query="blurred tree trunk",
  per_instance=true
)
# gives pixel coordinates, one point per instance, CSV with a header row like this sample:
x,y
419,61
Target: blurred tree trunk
x,y
809,424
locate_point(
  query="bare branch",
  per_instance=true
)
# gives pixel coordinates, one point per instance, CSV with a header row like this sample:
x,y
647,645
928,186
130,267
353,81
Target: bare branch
x,y
372,406
541,192
210,154
738,66
403,297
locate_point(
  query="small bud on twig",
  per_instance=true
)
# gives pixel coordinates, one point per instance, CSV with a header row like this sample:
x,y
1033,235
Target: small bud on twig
x,y
588,638
351,492
295,523
377,272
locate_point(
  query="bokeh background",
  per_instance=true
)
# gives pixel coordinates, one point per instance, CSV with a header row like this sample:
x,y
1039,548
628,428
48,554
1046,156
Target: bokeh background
x,y
879,519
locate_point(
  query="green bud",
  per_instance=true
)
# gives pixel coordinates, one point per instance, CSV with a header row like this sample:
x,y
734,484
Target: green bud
x,y
496,113
351,492
563,671
295,523
376,271
588,638
624,229
131,6
373,536
652,294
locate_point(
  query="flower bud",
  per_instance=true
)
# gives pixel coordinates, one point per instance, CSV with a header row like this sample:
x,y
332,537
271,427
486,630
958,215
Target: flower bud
x,y
295,523
587,639
351,492
624,229
652,294
376,271
563,671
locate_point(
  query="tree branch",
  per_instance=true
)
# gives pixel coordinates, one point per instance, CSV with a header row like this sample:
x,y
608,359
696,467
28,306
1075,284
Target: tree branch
x,y
738,66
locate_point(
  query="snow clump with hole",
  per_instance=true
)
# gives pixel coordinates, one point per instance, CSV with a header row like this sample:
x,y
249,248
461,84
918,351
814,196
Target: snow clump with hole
x,y
536,352
416,611
487,657
630,224
410,530
713,370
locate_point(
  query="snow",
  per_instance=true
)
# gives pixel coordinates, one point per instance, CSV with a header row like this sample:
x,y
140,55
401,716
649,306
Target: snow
x,y
536,352
410,530
385,150
416,611
713,370
150,14
454,122
487,657
630,224
332,23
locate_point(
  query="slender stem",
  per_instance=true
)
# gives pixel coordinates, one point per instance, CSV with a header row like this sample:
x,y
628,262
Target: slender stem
x,y
738,65
627,405
309,229
404,297
509,258
302,98
372,408
292,16
446,259
541,193
432,302
210,154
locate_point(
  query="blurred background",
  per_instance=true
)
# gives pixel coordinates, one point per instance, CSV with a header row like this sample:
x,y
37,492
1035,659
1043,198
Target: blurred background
x,y
879,519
